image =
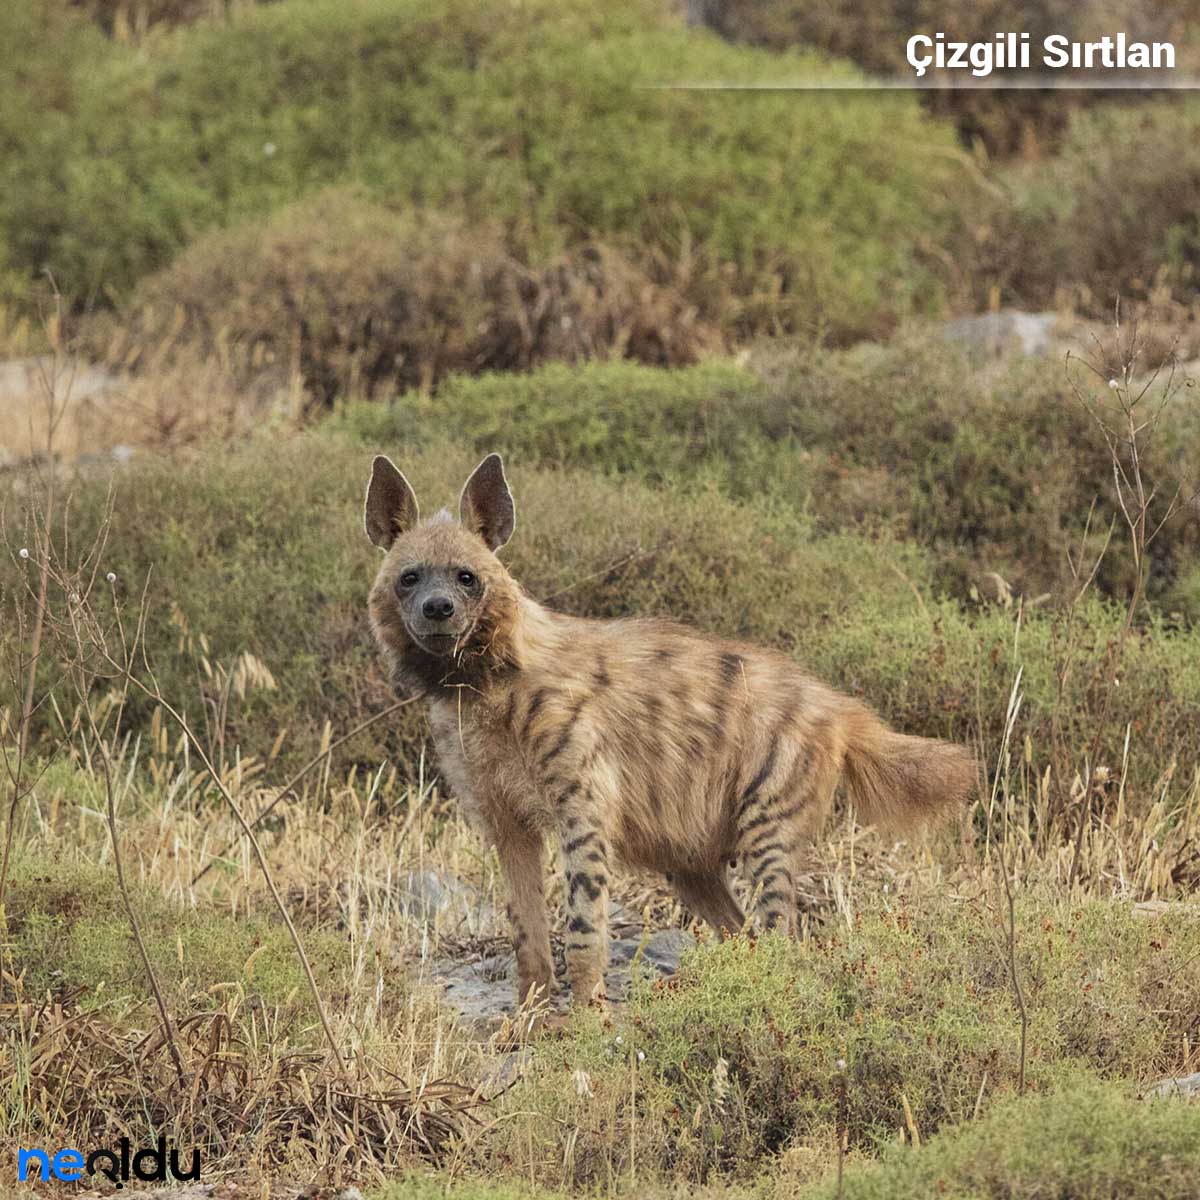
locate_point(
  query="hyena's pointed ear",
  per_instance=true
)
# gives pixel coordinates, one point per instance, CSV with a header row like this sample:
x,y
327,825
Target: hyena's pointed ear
x,y
391,503
486,506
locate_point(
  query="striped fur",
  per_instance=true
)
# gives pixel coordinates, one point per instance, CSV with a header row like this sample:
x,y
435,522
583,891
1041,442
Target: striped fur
x,y
631,742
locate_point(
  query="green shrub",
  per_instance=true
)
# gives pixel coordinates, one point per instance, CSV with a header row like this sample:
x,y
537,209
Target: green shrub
x,y
1092,1142
810,211
736,1056
1111,216
359,299
715,420
68,930
992,470
261,550
46,52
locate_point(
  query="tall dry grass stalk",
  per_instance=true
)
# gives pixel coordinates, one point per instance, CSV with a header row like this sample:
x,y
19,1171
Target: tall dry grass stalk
x,y
1128,410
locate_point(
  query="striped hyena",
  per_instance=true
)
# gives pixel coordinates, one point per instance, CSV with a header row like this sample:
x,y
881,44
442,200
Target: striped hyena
x,y
636,741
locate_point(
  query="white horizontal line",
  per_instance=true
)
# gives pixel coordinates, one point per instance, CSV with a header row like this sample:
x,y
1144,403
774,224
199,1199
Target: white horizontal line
x,y
1006,83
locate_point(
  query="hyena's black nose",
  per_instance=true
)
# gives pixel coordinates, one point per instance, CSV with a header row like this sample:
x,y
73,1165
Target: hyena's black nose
x,y
438,608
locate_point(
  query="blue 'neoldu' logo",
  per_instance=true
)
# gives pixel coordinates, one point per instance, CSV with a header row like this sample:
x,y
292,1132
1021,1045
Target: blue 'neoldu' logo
x,y
148,1165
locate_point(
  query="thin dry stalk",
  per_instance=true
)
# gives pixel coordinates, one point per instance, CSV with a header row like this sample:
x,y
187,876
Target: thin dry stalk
x,y
180,720
82,686
289,788
1128,432
56,400
1006,873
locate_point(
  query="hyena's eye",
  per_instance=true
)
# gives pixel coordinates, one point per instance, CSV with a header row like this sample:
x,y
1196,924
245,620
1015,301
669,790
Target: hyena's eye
x,y
409,578
466,578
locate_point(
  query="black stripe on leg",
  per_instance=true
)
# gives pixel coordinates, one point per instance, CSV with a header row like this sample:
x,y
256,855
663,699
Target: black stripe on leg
x,y
581,880
581,840
759,852
760,871
570,790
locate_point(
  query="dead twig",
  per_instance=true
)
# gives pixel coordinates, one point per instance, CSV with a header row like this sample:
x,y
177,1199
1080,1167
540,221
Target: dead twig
x,y
289,788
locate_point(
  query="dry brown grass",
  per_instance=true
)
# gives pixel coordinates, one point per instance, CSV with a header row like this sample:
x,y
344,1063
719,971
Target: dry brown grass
x,y
424,1084
181,405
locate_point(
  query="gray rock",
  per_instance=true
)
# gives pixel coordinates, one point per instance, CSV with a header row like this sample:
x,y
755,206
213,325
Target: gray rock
x,y
1187,1087
663,950
1007,332
433,897
481,990
22,378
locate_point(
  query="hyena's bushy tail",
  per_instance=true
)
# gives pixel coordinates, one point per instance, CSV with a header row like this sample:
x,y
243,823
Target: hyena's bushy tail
x,y
897,781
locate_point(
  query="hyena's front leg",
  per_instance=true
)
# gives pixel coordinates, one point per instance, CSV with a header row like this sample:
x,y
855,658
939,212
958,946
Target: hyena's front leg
x,y
585,866
520,852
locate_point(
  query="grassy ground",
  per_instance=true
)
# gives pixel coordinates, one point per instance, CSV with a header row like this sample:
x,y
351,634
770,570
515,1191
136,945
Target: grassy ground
x,y
925,1038
298,234
895,1021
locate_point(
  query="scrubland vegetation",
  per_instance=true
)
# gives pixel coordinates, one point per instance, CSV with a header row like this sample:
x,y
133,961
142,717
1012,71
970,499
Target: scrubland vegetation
x,y
702,331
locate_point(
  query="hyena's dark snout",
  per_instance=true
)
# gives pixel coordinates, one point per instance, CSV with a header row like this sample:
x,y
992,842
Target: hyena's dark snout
x,y
437,607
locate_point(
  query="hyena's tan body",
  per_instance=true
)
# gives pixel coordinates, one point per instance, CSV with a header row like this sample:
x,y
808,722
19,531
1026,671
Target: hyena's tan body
x,y
636,742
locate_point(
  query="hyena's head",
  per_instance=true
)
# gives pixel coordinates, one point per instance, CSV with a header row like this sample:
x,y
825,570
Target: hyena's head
x,y
441,592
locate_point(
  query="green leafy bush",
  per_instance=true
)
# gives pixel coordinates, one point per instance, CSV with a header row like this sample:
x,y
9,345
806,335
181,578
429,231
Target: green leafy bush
x,y
771,210
995,469
1113,215
715,420
1092,1142
262,551
737,1055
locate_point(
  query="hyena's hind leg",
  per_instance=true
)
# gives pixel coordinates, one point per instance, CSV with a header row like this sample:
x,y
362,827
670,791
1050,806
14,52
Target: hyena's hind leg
x,y
706,895
778,809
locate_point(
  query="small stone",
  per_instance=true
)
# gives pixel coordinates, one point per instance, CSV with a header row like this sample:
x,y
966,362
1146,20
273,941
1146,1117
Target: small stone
x,y
433,896
1186,1087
